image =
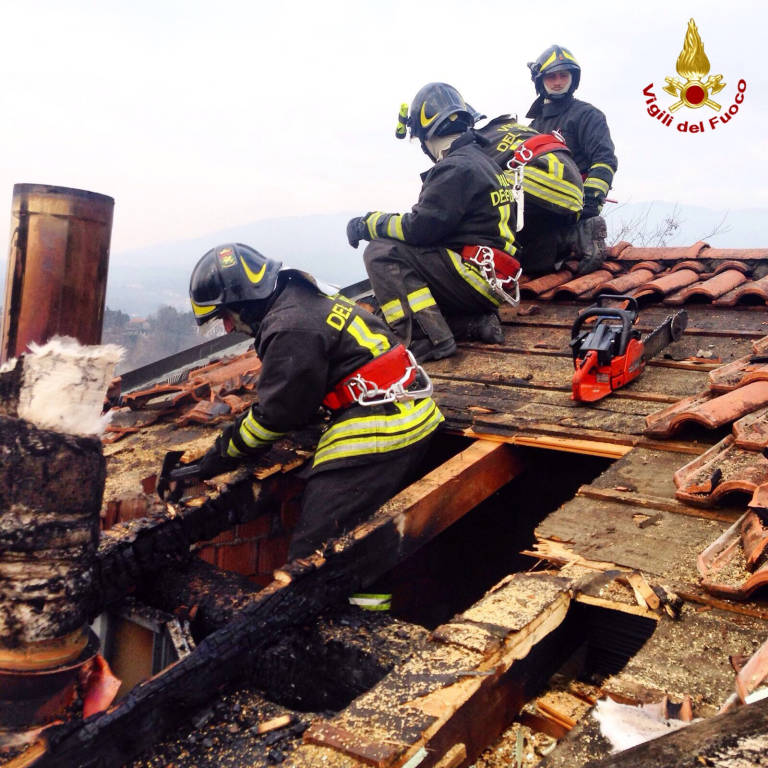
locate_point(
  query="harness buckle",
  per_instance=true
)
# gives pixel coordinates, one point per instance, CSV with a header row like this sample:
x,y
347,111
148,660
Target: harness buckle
x,y
482,258
368,393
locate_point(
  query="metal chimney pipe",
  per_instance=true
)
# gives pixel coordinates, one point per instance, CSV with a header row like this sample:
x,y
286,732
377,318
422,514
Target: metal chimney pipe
x,y
57,266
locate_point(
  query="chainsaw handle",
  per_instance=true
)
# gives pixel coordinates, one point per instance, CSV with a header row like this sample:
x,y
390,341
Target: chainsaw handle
x,y
632,305
625,316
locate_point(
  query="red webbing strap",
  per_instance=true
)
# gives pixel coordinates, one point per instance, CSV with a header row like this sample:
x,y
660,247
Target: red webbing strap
x,y
383,371
538,145
504,265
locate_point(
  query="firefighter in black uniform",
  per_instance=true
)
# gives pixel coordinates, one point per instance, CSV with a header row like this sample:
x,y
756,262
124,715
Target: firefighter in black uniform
x,y
552,186
317,348
556,75
441,271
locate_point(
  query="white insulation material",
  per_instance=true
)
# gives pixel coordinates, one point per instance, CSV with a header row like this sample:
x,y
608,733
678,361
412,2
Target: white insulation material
x,y
64,384
626,726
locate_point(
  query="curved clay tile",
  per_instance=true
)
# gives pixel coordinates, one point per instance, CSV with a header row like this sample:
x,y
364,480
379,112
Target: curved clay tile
x,y
617,249
545,283
709,289
742,266
696,266
708,410
633,279
751,431
668,283
583,284
755,291
739,254
723,469
653,266
736,374
664,253
760,346
613,267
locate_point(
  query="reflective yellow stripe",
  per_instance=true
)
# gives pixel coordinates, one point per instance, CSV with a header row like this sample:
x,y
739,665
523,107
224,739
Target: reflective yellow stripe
x,y
505,211
602,165
233,451
380,433
421,299
469,273
255,435
375,343
568,55
393,311
548,61
200,311
395,226
539,184
370,602
598,184
555,166
371,222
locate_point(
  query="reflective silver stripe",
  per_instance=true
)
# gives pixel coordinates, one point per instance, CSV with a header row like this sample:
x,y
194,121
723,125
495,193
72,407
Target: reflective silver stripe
x,y
563,194
395,226
393,311
375,343
381,433
421,299
473,277
255,435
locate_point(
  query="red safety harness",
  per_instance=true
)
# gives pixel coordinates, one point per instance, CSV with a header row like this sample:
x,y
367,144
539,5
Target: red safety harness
x,y
381,380
537,145
500,270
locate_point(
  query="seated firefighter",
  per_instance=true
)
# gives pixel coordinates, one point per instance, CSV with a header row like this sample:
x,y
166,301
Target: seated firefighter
x,y
441,271
317,348
547,222
556,75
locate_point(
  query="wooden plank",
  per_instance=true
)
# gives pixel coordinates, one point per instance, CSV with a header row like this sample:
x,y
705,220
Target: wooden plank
x,y
304,588
371,753
607,531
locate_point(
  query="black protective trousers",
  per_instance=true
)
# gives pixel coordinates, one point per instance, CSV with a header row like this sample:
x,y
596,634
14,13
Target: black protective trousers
x,y
400,272
337,500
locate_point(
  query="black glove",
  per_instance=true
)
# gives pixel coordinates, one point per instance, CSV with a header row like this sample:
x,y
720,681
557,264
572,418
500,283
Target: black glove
x,y
357,230
216,461
592,207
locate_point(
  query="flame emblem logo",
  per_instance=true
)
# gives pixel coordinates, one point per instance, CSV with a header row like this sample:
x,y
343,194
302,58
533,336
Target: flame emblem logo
x,y
693,66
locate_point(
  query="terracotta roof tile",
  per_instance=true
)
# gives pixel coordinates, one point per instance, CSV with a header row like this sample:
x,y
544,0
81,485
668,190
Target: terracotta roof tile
x,y
751,431
696,266
667,283
545,283
754,291
583,284
708,410
652,266
739,254
735,374
709,289
666,253
629,281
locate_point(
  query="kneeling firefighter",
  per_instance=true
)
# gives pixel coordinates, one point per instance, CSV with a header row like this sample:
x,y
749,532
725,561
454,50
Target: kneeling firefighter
x,y
547,222
441,271
317,348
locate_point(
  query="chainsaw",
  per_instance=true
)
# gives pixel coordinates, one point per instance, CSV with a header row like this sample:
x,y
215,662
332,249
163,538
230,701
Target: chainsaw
x,y
608,351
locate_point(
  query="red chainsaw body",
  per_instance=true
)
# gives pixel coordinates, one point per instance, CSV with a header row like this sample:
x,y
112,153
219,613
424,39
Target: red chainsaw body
x,y
592,381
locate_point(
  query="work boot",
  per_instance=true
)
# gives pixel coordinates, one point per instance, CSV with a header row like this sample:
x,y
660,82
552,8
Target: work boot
x,y
424,350
485,328
590,246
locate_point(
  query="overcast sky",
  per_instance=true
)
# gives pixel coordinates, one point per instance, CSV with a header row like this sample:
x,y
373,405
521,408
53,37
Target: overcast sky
x,y
197,116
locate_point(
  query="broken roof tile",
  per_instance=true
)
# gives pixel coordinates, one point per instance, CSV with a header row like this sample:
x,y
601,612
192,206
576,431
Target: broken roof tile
x,y
751,431
709,289
708,410
725,468
737,373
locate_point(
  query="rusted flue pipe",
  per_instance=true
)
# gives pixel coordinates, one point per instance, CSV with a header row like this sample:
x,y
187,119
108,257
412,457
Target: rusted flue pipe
x,y
57,266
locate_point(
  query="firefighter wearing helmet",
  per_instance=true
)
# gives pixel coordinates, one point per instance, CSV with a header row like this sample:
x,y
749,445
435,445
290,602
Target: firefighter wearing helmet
x,y
556,75
318,350
441,271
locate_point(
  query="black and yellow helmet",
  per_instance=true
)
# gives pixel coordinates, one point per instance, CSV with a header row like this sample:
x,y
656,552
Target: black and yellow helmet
x,y
556,58
438,109
228,276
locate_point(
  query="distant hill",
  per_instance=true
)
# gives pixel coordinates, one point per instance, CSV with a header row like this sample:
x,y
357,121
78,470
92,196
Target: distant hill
x,y
144,279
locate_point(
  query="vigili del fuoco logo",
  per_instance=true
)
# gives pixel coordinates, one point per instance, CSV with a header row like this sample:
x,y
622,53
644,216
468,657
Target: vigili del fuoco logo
x,y
694,89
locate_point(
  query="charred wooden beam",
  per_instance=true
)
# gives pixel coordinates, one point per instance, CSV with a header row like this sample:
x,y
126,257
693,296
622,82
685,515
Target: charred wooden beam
x,y
302,590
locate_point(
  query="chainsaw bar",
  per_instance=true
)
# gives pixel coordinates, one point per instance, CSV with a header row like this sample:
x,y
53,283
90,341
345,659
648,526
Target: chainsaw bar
x,y
670,330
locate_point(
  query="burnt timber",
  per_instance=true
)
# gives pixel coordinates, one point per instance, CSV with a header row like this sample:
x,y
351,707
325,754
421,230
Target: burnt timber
x,y
516,394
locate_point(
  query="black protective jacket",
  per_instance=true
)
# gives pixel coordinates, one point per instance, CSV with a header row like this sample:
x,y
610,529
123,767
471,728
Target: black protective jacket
x,y
465,199
308,342
586,133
